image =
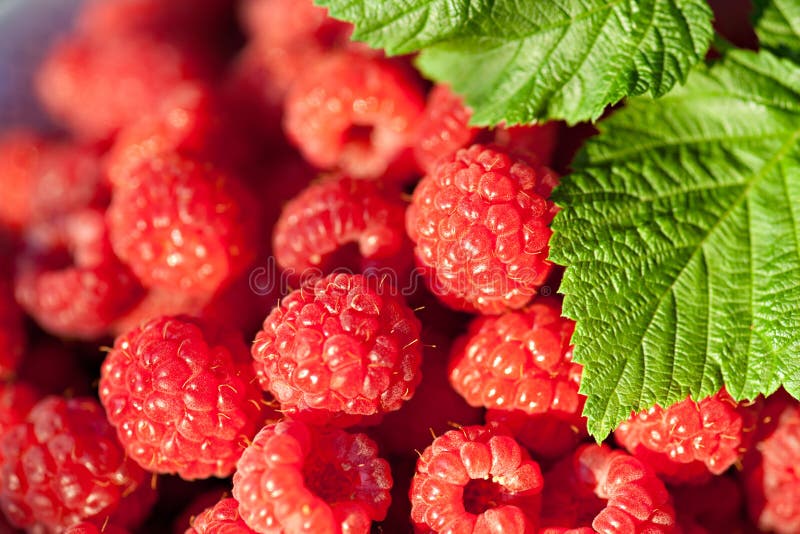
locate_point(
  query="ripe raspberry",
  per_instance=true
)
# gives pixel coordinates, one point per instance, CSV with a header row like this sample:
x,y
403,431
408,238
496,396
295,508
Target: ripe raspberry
x,y
608,490
42,178
352,112
192,121
69,279
298,478
537,142
480,224
222,518
328,215
772,469
181,224
123,78
519,361
342,345
689,440
475,479
548,436
443,129
62,466
182,397
12,332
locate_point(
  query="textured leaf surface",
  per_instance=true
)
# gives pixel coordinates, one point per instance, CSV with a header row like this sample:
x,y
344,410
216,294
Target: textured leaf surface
x,y
681,233
778,26
524,61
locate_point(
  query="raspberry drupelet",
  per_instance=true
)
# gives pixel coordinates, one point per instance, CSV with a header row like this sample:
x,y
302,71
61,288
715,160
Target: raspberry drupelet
x,y
480,223
609,491
342,347
476,479
69,279
443,128
353,112
222,518
179,223
182,396
772,468
690,441
333,213
299,478
64,465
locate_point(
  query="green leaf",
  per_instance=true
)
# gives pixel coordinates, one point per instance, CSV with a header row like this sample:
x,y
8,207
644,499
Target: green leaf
x,y
778,26
681,232
520,62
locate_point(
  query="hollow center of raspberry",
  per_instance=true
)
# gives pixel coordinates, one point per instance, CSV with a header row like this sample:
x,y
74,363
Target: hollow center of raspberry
x,y
481,495
358,134
328,481
346,258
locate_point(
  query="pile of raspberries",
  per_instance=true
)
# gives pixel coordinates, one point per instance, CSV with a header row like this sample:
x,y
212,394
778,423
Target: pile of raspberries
x,y
260,278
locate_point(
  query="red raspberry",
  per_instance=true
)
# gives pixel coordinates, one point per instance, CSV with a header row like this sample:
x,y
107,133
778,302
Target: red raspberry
x,y
343,345
519,361
443,129
316,226
122,78
182,397
689,440
222,518
480,224
191,121
475,479
772,469
12,332
43,179
352,112
70,281
608,490
180,224
68,441
298,478
548,436
90,528
16,401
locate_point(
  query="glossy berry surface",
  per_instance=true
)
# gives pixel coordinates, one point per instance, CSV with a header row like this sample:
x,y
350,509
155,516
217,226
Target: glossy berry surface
x,y
689,440
68,442
476,479
480,224
182,396
222,518
332,213
344,345
299,478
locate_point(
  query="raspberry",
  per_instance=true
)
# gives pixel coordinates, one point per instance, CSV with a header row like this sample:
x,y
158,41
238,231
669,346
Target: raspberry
x,y
191,122
475,479
222,518
480,224
182,397
43,178
330,214
352,112
519,361
443,129
122,78
12,333
608,490
90,528
772,469
536,141
180,224
344,344
63,465
70,281
17,399
689,440
548,436
298,478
